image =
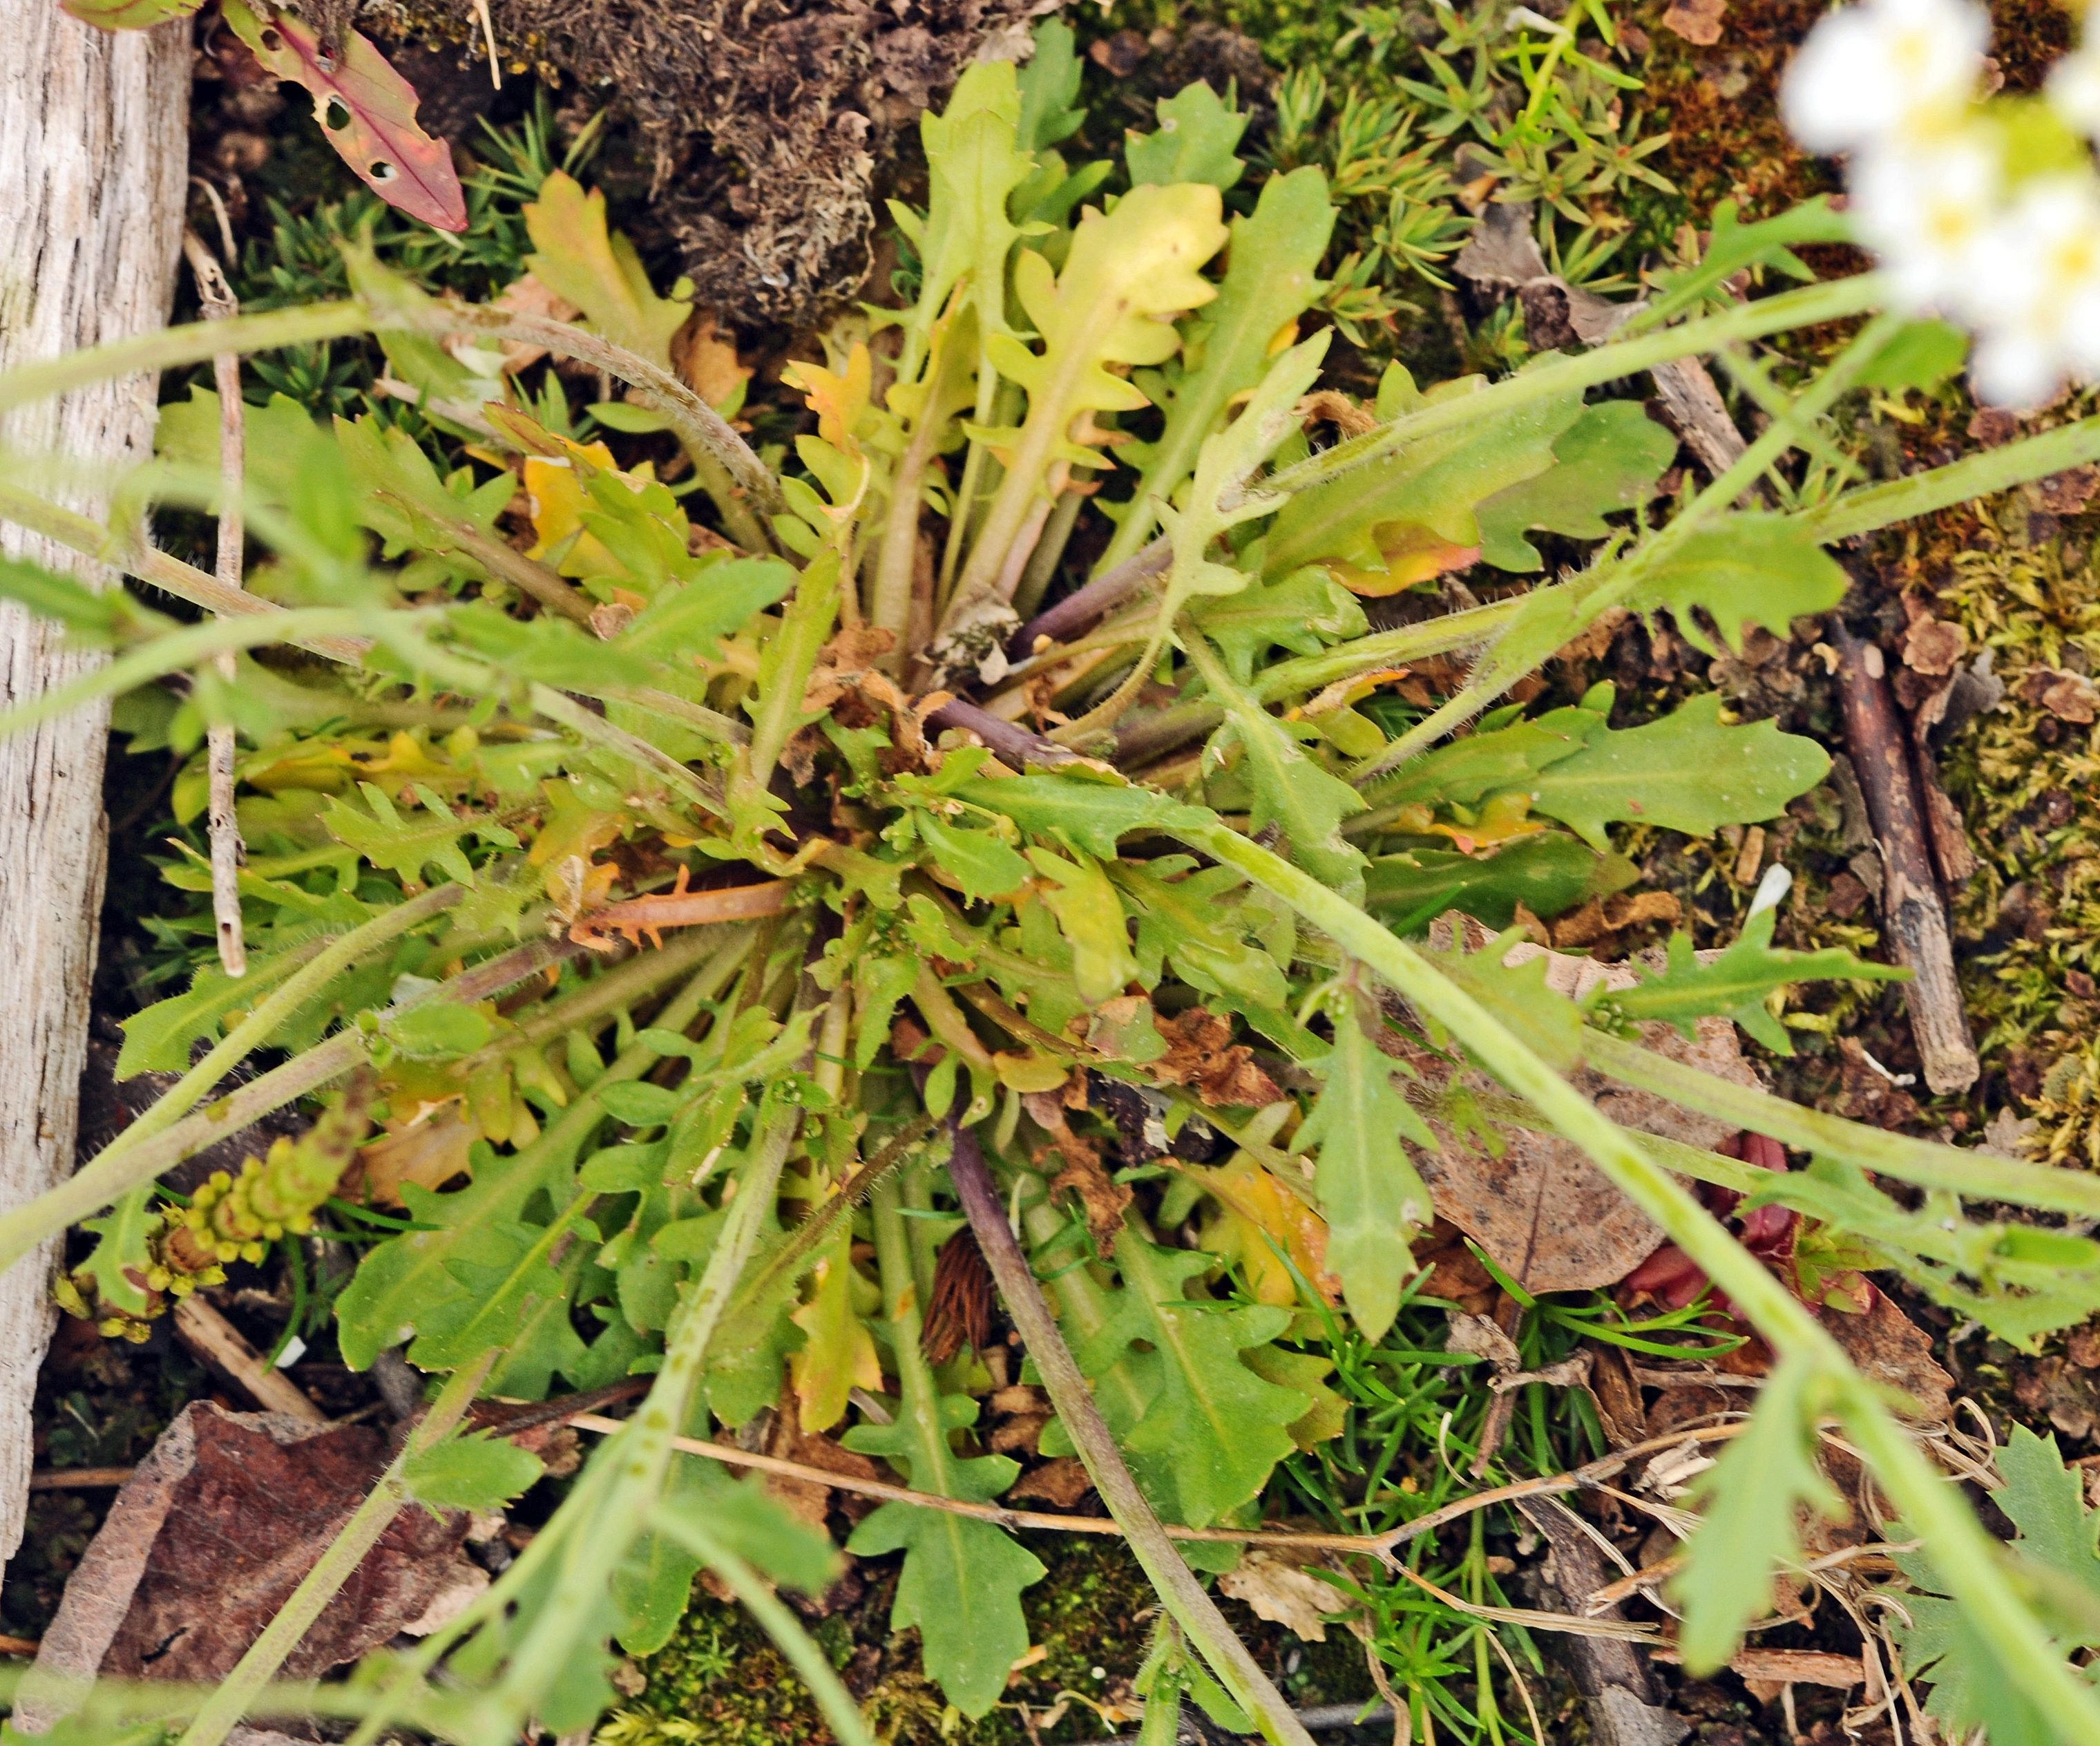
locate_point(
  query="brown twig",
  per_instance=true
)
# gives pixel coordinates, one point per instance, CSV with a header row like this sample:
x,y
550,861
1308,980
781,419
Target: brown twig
x,y
507,1418
1912,909
1374,1545
78,1478
220,1344
228,854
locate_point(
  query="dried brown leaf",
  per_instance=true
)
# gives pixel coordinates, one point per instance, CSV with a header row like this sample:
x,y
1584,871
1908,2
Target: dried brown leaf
x,y
1062,1481
1696,20
1280,1590
1200,1054
1933,646
1889,1347
214,1531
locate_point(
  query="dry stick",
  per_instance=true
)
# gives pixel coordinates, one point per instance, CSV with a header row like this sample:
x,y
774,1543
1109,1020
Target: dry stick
x,y
220,1344
1185,1598
1910,906
78,1478
228,855
1379,1546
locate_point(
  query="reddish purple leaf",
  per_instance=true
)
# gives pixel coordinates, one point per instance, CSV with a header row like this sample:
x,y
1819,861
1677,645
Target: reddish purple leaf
x,y
368,111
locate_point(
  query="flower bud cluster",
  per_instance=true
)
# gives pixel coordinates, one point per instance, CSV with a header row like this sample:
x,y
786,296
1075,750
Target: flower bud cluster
x,y
230,1218
236,1219
1986,213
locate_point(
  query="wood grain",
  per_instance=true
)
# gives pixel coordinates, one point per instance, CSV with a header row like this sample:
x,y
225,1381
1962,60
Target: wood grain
x,y
93,150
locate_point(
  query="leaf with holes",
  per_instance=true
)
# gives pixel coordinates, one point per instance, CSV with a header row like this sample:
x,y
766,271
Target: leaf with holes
x,y
367,110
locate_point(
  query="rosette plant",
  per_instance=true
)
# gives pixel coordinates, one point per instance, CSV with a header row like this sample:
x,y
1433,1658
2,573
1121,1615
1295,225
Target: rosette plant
x,y
742,931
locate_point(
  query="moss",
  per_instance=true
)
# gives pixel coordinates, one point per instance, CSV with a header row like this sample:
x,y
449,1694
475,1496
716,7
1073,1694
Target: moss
x,y
719,1682
2025,782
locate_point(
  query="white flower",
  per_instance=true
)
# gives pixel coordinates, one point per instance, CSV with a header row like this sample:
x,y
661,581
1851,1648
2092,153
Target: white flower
x,y
1926,211
1884,68
2036,296
2074,88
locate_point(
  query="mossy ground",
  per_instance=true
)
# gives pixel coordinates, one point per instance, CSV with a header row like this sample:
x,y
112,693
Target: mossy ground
x,y
1091,1617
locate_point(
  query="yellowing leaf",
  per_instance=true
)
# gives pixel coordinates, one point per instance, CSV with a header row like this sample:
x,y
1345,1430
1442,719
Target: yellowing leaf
x,y
1413,553
839,401
838,1352
600,273
556,500
708,362
1090,916
1257,1215
1125,271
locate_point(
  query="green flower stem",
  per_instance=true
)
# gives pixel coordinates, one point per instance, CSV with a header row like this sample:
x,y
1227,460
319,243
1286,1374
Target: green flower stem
x,y
1807,307
739,520
1977,476
402,1691
1965,1555
896,552
175,652
249,622
127,1162
607,992
504,562
557,706
1977,1175
789,659
641,1452
169,348
1409,643
226,1706
690,417
1184,1597
91,539
255,1031
1710,504
786,1630
1778,437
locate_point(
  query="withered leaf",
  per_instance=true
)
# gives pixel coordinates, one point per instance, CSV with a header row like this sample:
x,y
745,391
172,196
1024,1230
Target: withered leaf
x,y
1103,1199
1200,1054
2065,494
1889,1346
2069,697
213,1531
958,1310
1934,646
1280,1589
1696,20
1545,1214
1062,1481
